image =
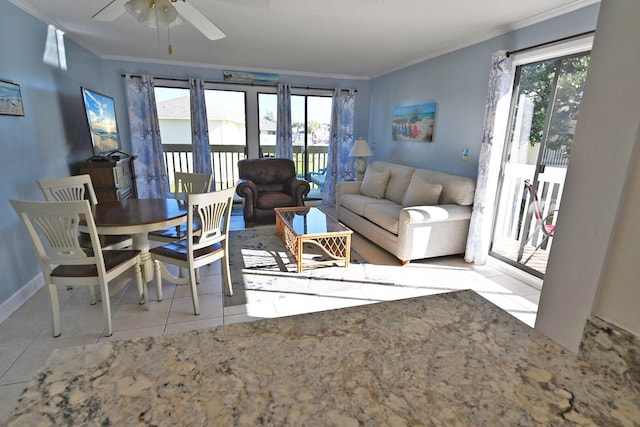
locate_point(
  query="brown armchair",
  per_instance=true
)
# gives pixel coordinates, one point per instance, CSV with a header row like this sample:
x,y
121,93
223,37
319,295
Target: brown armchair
x,y
268,183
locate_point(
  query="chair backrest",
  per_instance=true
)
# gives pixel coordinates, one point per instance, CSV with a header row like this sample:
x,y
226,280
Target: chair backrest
x,y
70,188
53,229
534,201
191,183
213,211
268,170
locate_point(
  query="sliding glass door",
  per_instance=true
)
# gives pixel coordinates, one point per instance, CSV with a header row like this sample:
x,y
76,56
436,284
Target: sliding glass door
x,y
544,113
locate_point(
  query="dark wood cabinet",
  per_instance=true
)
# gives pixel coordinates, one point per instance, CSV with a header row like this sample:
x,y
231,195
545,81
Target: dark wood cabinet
x,y
112,179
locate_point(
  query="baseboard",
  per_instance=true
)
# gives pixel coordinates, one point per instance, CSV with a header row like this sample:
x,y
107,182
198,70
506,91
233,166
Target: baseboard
x,y
16,300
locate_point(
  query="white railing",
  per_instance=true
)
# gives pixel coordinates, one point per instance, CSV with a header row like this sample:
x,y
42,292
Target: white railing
x,y
516,220
225,158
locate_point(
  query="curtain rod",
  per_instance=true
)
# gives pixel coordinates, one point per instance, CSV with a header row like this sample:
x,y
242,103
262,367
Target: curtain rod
x,y
524,49
236,83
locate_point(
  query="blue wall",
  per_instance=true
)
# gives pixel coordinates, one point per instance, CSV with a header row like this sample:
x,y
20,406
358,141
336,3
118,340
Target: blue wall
x,y
458,83
50,138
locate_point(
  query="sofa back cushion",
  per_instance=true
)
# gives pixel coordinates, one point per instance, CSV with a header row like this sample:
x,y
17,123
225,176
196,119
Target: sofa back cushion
x,y
421,192
399,178
456,189
374,182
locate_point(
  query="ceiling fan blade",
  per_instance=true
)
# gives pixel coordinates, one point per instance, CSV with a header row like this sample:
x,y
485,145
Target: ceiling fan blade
x,y
249,4
198,20
111,11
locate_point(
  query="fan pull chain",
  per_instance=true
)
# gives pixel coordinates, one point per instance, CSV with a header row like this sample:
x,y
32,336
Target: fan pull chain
x,y
170,47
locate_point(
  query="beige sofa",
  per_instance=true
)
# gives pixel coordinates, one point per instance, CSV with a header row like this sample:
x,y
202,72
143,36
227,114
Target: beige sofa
x,y
412,213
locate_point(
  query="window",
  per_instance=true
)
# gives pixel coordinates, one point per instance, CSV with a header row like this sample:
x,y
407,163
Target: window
x,y
174,117
227,134
242,123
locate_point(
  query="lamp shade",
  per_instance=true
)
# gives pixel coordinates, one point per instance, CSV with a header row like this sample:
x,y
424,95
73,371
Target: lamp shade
x,y
361,149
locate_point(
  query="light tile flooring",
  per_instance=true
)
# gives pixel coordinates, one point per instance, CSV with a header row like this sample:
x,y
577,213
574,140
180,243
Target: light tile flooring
x,y
26,341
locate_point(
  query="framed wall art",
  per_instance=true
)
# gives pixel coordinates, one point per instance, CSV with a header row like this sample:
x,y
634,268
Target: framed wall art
x,y
414,122
250,77
10,99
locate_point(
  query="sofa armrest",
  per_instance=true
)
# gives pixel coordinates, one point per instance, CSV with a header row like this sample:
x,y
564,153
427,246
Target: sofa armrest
x,y
426,231
348,187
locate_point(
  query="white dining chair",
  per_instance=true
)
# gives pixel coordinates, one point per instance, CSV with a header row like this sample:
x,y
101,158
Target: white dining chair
x,y
198,249
80,187
185,184
53,229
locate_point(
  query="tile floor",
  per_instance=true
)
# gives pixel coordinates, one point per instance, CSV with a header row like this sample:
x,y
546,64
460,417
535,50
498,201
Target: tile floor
x,y
26,340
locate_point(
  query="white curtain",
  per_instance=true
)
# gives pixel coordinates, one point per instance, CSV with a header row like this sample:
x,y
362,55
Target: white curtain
x,y
284,143
199,128
146,145
339,164
493,139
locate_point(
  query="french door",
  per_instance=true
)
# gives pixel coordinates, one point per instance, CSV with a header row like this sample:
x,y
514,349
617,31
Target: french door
x,y
544,112
310,129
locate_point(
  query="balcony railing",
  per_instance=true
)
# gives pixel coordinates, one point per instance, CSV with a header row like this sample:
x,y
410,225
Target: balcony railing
x,y
224,161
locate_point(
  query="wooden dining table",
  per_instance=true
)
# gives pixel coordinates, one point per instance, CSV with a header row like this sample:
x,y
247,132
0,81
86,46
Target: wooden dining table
x,y
138,217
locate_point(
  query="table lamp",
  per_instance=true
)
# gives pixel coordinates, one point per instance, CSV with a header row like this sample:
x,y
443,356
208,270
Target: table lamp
x,y
360,150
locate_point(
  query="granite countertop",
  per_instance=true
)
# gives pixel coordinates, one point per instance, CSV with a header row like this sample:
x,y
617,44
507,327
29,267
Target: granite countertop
x,y
449,359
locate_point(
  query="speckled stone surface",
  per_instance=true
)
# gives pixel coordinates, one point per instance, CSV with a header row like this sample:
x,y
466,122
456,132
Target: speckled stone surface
x,y
613,351
450,359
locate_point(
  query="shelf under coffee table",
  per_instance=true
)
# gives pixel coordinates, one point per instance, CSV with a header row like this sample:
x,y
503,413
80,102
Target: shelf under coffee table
x,y
300,225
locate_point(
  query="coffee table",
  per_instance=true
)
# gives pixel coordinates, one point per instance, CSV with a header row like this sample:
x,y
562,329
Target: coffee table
x,y
300,225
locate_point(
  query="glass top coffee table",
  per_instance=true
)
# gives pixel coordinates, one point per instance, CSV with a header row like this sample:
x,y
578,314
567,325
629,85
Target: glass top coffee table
x,y
300,225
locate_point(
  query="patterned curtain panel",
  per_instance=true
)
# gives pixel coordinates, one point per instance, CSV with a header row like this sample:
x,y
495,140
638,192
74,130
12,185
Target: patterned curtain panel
x,y
284,144
493,138
199,128
339,164
151,175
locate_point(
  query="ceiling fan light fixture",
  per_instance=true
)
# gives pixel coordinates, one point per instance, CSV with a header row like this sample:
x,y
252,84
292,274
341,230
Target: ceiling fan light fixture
x,y
151,13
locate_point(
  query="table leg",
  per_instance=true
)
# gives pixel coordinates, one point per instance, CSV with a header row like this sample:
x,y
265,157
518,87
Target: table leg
x,y
141,243
299,252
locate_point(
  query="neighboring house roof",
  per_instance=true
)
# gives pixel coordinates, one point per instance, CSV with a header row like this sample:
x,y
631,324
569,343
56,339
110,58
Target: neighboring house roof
x,y
267,125
178,108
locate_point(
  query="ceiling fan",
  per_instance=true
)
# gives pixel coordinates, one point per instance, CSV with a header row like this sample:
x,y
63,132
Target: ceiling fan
x,y
151,13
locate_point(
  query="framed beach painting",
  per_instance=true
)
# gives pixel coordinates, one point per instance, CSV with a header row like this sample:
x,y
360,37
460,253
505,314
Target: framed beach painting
x,y
414,122
10,99
250,77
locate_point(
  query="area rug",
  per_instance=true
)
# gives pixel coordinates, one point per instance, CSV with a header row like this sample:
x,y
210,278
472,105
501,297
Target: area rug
x,y
259,261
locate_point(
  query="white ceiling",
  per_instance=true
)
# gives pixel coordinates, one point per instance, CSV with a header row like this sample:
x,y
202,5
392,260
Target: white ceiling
x,y
337,38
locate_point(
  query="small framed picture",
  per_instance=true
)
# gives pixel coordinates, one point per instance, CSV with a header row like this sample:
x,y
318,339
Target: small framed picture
x,y
10,99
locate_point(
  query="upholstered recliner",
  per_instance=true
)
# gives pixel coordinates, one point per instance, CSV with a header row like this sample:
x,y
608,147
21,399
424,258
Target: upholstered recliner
x,y
268,183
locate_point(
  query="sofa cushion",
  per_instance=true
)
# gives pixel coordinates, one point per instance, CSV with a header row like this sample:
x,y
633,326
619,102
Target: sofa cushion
x,y
374,183
458,190
398,182
357,202
384,215
421,192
